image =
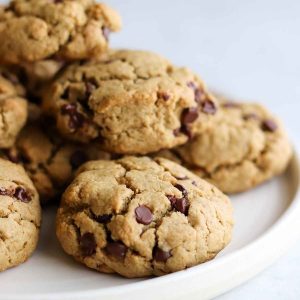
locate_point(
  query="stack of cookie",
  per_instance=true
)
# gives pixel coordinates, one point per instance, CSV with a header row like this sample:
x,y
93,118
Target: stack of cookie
x,y
137,149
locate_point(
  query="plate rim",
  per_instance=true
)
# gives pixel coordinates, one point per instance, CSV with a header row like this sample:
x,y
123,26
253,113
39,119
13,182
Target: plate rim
x,y
287,217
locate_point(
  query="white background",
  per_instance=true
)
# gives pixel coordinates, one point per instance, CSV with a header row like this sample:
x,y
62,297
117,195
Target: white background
x,y
248,49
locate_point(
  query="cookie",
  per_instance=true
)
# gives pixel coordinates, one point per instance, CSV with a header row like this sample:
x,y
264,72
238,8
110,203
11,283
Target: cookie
x,y
135,102
246,147
49,160
20,215
13,108
32,30
140,217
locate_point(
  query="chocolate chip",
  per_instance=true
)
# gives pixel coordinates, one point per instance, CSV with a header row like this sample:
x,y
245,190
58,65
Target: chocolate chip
x,y
187,131
103,218
231,105
78,158
197,91
251,116
116,249
21,194
160,255
87,244
179,204
192,85
106,32
194,183
269,125
198,95
189,115
182,205
77,119
209,107
143,215
163,95
181,189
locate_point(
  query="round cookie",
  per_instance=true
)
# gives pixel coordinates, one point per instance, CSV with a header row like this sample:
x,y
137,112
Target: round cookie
x,y
13,108
49,160
246,147
32,30
140,217
135,102
20,215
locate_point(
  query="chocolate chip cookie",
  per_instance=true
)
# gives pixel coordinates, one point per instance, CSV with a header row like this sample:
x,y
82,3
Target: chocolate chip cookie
x,y
140,217
20,215
13,107
135,102
246,147
32,30
49,160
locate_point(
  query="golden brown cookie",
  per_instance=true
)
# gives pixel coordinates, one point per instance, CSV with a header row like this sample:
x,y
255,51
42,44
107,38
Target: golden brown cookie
x,y
32,30
140,217
13,108
246,147
20,215
135,102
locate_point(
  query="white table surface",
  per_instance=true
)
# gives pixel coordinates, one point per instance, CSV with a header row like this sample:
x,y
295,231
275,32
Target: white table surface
x,y
249,49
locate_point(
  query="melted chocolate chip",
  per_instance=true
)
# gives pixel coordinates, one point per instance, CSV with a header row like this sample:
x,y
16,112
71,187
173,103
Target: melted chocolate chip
x,y
106,32
191,85
77,119
78,158
143,215
163,95
116,249
198,95
209,107
179,204
11,77
187,131
182,205
160,255
189,115
103,218
21,194
269,125
182,190
87,244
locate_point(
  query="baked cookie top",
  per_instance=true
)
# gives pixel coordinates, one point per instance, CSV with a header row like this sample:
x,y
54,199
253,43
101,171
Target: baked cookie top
x,y
134,101
49,160
247,146
13,107
32,30
20,215
141,217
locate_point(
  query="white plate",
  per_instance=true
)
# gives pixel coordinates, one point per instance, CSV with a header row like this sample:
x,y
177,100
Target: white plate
x,y
267,223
